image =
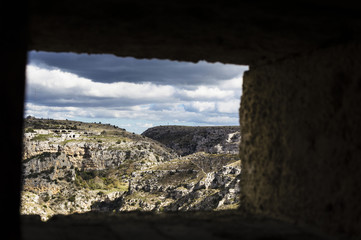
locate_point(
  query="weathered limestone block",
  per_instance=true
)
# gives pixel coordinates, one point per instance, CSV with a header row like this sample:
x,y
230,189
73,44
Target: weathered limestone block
x,y
301,149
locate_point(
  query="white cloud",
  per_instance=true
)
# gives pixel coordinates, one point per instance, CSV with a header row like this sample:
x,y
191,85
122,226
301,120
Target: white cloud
x,y
53,93
62,83
204,92
200,106
221,120
232,84
230,106
145,125
129,90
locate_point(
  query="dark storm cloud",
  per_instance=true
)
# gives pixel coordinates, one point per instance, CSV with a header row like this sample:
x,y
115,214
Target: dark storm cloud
x,y
83,102
109,68
46,97
128,91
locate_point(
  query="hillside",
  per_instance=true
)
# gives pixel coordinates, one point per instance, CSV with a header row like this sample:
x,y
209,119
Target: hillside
x,y
187,140
71,166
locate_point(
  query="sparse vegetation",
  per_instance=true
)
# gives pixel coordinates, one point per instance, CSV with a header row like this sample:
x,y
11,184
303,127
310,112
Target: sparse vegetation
x,y
29,130
71,198
104,162
99,180
42,137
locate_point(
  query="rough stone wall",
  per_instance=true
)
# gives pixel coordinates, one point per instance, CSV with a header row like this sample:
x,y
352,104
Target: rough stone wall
x,y
240,32
299,116
301,149
12,67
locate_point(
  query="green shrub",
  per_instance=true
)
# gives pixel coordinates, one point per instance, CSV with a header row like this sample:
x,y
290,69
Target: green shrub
x,y
42,137
80,182
96,183
46,198
71,198
86,175
29,130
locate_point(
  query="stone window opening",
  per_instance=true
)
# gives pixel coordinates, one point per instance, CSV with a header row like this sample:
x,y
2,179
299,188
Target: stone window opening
x,y
203,173
299,114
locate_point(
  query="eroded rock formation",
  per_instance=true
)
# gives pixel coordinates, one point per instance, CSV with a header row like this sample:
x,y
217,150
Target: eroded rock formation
x,y
108,169
187,140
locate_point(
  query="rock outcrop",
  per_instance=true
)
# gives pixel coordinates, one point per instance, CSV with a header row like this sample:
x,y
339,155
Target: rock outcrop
x,y
182,185
98,167
187,140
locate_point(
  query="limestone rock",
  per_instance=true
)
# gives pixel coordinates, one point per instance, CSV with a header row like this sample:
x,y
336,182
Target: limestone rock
x,y
188,140
92,168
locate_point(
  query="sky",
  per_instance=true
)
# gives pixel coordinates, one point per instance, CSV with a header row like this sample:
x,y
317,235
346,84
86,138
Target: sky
x,y
134,94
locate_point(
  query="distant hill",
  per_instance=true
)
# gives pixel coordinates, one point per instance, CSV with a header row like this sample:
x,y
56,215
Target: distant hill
x,y
71,166
187,140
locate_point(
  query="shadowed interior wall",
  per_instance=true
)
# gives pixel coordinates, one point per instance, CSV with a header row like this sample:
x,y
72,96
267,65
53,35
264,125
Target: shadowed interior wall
x,y
12,67
300,110
300,123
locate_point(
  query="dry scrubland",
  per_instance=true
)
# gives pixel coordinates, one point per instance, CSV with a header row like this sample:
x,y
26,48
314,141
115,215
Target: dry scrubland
x,y
71,166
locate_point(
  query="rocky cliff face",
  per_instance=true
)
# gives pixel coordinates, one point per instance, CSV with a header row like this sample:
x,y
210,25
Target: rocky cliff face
x,y
182,185
99,167
187,140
